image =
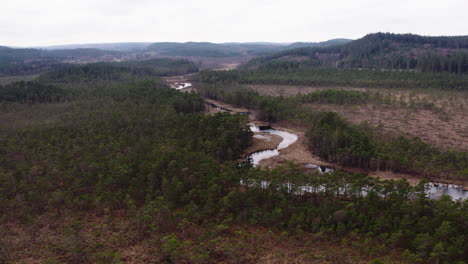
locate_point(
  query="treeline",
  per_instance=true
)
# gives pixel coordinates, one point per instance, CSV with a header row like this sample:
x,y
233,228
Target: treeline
x,y
195,49
29,68
219,50
21,55
293,75
378,51
34,61
119,71
339,142
101,80
160,66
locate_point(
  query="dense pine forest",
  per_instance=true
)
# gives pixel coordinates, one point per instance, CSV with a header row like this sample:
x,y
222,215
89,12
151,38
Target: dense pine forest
x,y
149,169
294,74
119,71
379,51
105,163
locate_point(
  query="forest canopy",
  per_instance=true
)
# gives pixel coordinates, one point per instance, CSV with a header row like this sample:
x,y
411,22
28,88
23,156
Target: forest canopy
x,y
378,51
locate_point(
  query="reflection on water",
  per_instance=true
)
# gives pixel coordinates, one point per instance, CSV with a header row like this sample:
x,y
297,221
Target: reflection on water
x,y
180,86
320,169
288,139
436,190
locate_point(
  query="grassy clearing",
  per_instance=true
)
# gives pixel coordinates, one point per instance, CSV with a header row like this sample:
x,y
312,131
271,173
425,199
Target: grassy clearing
x,y
437,117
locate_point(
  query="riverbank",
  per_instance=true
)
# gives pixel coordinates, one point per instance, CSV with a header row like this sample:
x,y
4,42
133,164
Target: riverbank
x,y
263,141
300,153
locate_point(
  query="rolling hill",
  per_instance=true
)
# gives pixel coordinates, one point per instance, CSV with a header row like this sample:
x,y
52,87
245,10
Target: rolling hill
x,y
378,51
207,49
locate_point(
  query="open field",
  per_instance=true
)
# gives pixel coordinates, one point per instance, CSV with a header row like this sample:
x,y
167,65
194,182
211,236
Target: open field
x,y
10,79
437,117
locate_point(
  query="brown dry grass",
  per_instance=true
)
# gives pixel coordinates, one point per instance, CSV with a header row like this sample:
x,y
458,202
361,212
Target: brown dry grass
x,y
298,152
444,125
88,237
10,79
288,90
179,78
425,124
264,142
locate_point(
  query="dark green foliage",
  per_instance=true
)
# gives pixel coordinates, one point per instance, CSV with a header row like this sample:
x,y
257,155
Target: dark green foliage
x,y
160,67
337,141
198,49
119,71
89,72
32,92
148,152
338,77
206,49
33,61
8,55
377,51
17,55
112,149
29,67
391,212
331,42
78,53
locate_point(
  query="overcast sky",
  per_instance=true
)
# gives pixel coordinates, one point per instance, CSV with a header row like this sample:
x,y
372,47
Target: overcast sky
x,y
53,22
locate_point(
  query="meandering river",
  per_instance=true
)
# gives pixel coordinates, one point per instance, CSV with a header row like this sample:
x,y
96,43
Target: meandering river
x,y
434,190
288,139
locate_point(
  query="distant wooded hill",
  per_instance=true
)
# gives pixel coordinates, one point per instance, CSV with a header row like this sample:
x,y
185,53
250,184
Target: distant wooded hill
x,y
377,51
33,61
24,61
14,55
206,49
374,51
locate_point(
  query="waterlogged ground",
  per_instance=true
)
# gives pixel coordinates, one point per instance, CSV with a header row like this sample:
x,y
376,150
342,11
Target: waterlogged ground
x,y
434,190
293,147
437,117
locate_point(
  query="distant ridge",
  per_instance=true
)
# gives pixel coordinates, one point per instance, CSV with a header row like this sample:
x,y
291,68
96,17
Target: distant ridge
x,y
379,51
331,42
120,46
231,49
